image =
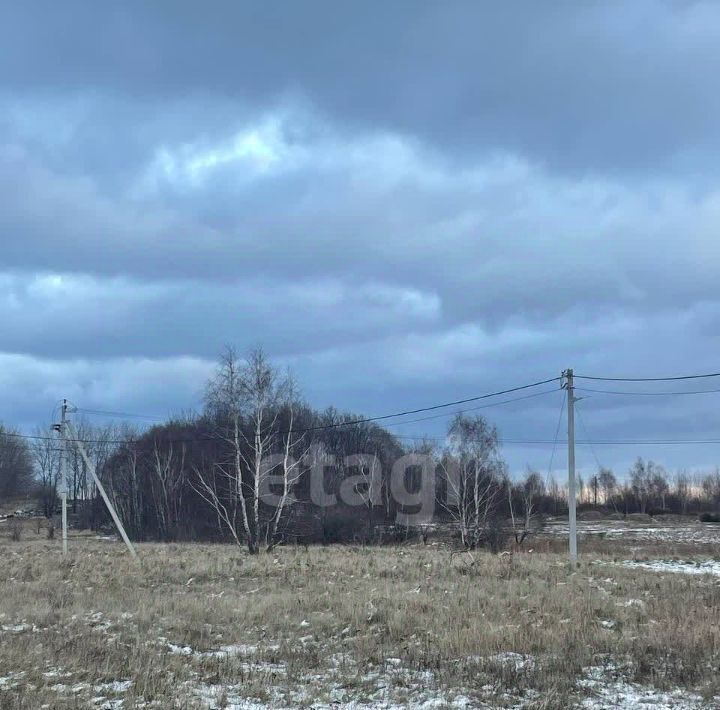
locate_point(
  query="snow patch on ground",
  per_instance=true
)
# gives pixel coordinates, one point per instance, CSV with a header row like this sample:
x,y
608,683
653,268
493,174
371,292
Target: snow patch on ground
x,y
390,687
115,686
633,604
238,649
611,692
393,686
10,680
516,660
105,704
180,650
220,696
63,688
18,628
694,533
707,567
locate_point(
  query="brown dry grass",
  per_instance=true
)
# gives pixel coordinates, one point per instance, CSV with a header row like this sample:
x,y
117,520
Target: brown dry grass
x,y
344,624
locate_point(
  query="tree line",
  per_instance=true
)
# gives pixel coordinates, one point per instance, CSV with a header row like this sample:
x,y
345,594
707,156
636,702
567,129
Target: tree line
x,y
259,467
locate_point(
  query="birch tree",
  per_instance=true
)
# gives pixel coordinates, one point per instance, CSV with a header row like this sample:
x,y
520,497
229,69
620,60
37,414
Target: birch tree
x,y
247,399
471,468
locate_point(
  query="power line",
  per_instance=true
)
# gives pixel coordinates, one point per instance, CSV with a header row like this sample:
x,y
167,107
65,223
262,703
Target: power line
x,y
584,442
557,433
424,409
103,412
649,379
385,417
434,407
584,428
645,394
615,442
334,425
622,442
502,440
473,409
458,411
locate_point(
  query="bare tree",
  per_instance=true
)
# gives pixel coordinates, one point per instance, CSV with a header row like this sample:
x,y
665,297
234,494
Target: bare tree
x,y
641,477
683,486
659,487
471,467
122,476
608,484
595,487
16,465
247,400
360,470
46,457
289,473
167,483
529,491
710,486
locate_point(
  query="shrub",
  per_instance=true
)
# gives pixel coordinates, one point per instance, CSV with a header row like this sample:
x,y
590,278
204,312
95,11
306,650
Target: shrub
x,y
495,535
709,517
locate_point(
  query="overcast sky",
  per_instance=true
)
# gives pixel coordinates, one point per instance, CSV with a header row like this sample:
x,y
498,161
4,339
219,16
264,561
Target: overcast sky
x,y
407,202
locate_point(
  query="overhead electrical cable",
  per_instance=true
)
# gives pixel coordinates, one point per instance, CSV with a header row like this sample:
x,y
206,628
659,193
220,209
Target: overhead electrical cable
x,y
127,415
555,439
649,379
473,409
584,428
644,394
334,425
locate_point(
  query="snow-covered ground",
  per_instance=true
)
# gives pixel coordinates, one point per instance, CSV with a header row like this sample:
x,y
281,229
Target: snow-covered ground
x,y
311,660
394,686
691,532
680,567
603,688
609,689
390,685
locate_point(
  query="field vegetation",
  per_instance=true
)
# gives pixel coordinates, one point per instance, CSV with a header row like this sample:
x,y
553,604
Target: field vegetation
x,y
206,626
294,558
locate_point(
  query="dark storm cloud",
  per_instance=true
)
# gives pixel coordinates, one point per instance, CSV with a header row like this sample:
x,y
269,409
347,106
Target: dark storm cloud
x,y
75,317
512,241
595,86
407,202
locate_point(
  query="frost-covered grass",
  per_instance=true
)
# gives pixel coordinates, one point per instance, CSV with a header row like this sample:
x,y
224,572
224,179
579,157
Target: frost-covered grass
x,y
609,689
201,626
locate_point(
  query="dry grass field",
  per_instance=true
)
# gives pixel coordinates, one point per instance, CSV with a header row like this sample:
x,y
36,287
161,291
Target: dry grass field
x,y
201,626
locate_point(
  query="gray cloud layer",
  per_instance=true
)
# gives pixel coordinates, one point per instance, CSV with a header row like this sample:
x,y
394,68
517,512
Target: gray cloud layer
x,y
407,203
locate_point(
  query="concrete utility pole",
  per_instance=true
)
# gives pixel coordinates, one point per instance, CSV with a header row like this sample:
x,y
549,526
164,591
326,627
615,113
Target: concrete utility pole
x,y
572,500
101,489
63,477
